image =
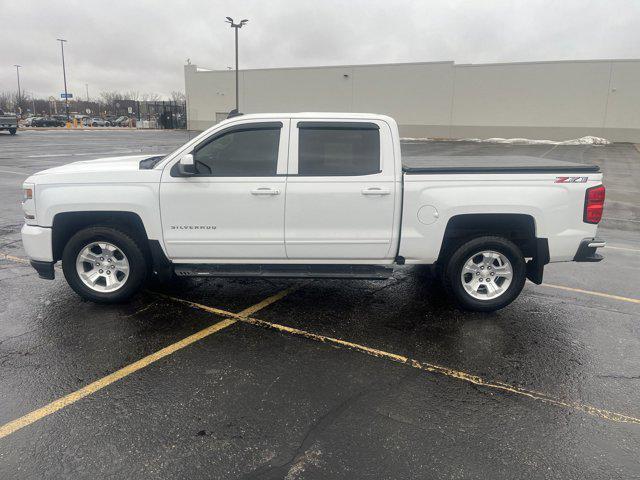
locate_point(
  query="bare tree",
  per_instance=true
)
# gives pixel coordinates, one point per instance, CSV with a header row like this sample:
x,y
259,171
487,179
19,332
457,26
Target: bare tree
x,y
132,95
108,97
6,101
9,101
150,97
178,97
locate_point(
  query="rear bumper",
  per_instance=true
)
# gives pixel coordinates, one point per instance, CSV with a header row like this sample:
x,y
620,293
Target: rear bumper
x,y
587,250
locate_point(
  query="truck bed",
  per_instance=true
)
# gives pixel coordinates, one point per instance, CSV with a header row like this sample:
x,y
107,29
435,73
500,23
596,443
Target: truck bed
x,y
426,164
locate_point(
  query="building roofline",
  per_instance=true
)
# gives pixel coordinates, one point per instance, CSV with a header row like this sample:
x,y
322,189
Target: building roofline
x,y
540,62
330,66
450,62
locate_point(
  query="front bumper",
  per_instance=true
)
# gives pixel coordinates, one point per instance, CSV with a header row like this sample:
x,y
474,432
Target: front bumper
x,y
45,269
38,247
37,242
587,250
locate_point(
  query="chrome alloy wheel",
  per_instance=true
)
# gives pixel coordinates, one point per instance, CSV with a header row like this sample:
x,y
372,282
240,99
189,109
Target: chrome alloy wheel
x,y
102,267
486,275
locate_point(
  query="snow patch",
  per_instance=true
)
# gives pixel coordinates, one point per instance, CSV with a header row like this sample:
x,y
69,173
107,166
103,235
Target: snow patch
x,y
587,140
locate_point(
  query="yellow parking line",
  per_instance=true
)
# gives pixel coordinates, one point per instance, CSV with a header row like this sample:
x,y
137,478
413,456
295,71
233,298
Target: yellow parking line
x,y
590,292
73,397
5,256
428,367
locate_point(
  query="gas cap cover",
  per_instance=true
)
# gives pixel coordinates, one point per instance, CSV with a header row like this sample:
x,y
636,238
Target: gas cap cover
x,y
428,214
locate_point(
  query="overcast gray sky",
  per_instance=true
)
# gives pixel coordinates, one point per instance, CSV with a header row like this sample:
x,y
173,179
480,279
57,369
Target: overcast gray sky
x,y
142,45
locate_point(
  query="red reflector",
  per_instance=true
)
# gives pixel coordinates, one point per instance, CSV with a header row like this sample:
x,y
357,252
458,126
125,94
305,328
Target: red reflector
x,y
594,204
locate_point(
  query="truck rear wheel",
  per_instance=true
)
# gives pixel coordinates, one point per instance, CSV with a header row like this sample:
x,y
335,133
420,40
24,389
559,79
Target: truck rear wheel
x,y
104,264
485,274
12,131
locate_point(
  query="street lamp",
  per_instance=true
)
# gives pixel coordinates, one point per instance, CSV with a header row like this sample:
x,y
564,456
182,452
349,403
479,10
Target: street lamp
x,y
19,96
64,75
237,26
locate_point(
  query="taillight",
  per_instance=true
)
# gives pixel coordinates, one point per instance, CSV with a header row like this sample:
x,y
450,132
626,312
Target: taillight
x,y
593,204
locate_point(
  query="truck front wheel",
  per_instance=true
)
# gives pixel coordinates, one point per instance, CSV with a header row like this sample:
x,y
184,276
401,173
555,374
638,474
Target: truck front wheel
x,y
104,264
12,131
485,274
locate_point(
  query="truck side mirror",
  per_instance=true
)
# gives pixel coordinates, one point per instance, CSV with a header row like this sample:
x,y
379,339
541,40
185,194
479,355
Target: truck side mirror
x,y
186,165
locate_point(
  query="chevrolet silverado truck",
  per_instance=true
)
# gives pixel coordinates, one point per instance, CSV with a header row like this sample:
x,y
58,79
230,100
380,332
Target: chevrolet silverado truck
x,y
8,121
323,195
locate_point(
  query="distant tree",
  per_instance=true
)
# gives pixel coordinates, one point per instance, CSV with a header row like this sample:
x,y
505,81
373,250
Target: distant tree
x,y
150,97
131,95
6,101
178,97
108,97
9,101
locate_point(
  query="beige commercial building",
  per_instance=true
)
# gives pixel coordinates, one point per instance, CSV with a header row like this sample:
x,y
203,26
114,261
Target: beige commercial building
x,y
540,100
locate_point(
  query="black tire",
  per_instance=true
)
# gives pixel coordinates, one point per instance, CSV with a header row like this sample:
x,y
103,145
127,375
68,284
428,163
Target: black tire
x,y
12,131
452,271
131,249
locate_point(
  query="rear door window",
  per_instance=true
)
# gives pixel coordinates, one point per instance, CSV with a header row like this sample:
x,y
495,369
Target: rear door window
x,y
338,148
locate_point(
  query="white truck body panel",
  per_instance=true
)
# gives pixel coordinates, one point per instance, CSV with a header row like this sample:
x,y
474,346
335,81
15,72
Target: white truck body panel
x,y
344,218
112,184
555,208
242,217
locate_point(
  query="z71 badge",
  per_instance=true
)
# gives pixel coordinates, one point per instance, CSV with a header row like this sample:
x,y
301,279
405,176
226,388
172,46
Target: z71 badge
x,y
571,179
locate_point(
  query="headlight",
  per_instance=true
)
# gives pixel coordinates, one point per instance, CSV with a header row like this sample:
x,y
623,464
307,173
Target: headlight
x,y
27,194
28,202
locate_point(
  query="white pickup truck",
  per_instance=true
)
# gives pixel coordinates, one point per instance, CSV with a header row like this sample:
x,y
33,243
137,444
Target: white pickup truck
x,y
310,195
8,121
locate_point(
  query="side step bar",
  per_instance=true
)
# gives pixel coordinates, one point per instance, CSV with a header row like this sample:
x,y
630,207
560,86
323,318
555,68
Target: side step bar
x,y
370,272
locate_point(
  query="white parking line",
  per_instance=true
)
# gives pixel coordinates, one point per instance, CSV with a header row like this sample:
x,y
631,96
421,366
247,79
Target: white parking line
x,y
627,249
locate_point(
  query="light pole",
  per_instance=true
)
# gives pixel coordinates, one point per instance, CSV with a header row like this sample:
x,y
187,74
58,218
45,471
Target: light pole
x,y
237,26
87,87
64,75
19,96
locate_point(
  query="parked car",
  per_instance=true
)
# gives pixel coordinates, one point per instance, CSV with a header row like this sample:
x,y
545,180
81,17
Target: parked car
x,y
9,122
311,195
27,121
122,121
48,122
98,122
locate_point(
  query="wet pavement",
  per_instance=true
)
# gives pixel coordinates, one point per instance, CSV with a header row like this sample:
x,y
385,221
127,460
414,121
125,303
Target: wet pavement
x,y
549,387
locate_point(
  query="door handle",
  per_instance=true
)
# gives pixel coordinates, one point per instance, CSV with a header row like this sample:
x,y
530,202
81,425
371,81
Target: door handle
x,y
376,191
265,191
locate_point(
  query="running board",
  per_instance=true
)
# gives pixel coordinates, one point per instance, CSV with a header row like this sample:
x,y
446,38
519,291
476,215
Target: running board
x,y
370,272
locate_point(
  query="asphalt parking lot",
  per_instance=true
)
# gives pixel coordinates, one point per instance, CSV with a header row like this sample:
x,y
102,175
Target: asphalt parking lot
x,y
222,378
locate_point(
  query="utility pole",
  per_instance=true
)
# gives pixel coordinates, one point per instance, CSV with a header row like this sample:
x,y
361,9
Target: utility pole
x,y
87,87
19,95
64,75
237,26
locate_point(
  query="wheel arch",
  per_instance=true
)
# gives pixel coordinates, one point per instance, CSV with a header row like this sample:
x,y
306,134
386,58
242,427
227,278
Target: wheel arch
x,y
66,224
519,228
